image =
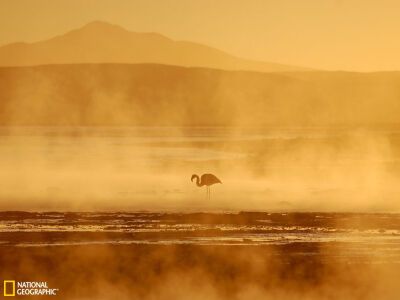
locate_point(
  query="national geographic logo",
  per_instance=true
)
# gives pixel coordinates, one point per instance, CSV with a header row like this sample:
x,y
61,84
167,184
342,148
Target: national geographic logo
x,y
27,288
9,288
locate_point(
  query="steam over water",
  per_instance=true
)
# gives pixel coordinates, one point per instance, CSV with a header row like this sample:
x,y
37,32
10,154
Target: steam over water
x,y
302,213
244,255
136,168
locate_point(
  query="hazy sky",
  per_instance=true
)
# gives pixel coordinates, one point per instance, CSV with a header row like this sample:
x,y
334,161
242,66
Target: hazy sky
x,y
362,35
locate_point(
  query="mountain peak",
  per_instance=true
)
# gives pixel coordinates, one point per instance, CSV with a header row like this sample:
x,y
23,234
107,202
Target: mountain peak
x,y
101,26
99,23
103,42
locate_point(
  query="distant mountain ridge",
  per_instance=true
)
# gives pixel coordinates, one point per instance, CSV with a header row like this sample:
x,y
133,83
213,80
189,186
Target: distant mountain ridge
x,y
101,42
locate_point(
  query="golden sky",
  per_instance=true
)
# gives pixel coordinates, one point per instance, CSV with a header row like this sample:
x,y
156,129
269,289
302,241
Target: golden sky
x,y
357,35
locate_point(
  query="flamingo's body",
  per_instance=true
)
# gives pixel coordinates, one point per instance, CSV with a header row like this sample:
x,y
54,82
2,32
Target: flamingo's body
x,y
207,180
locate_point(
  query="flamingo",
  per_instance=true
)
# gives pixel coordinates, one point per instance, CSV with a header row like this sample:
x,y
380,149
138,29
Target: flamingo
x,y
207,180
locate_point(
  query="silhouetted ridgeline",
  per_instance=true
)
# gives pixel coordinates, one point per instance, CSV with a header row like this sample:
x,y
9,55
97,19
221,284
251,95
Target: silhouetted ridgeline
x,y
99,42
149,94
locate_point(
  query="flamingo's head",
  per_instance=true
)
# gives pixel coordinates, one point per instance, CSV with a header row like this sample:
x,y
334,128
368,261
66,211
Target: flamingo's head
x,y
193,177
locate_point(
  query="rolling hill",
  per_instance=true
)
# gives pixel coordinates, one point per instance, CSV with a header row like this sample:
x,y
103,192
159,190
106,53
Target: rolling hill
x,y
151,94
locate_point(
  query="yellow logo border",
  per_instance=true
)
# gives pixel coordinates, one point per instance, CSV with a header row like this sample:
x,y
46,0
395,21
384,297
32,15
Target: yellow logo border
x,y
5,288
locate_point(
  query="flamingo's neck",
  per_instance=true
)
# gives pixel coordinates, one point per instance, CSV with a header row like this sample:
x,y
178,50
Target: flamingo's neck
x,y
198,181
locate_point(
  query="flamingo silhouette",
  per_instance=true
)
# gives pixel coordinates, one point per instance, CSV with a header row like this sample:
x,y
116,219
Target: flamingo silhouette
x,y
207,180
